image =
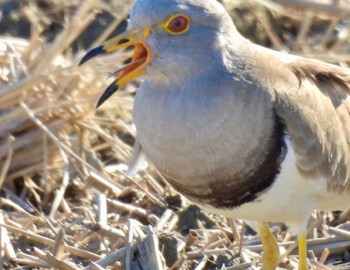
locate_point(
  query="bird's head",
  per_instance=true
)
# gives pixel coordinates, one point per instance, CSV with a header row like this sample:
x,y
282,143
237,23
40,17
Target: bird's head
x,y
172,39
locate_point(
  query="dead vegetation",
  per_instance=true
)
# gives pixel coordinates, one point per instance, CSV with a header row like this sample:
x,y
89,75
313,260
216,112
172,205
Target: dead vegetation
x,y
66,199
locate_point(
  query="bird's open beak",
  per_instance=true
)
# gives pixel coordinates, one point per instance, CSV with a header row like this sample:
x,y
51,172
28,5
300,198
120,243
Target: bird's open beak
x,y
140,58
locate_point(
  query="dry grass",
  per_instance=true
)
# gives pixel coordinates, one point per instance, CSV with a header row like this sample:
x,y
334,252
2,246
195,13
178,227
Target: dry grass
x,y
66,200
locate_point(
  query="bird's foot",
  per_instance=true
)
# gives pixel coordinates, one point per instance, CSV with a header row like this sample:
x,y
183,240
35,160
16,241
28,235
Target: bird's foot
x,y
271,254
302,252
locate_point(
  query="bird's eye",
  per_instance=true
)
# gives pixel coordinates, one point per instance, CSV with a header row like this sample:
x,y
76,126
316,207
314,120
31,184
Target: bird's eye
x,y
177,24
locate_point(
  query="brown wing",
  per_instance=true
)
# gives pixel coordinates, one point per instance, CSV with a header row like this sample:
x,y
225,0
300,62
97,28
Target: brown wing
x,y
315,105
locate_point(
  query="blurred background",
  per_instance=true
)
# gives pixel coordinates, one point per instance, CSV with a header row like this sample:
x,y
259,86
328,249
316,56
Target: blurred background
x,y
66,200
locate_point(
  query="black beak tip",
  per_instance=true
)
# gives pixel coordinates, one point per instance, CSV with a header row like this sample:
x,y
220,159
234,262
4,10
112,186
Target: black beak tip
x,y
111,89
92,53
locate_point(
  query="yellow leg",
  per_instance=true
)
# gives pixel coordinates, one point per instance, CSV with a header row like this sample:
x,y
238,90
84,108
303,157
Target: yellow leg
x,y
271,254
302,252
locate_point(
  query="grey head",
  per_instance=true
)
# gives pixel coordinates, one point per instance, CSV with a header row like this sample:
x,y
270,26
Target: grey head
x,y
176,41
180,56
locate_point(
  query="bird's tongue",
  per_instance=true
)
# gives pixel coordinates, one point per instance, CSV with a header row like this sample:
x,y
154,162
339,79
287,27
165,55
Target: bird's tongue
x,y
138,59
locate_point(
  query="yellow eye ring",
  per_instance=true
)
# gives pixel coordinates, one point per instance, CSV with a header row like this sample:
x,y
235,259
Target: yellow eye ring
x,y
177,24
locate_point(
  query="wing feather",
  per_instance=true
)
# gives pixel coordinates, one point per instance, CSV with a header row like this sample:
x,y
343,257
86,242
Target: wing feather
x,y
315,106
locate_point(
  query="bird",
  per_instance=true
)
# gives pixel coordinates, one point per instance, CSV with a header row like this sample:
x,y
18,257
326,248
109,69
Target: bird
x,y
238,129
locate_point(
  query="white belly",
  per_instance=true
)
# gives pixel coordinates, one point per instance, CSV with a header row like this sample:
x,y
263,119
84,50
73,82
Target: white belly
x,y
291,199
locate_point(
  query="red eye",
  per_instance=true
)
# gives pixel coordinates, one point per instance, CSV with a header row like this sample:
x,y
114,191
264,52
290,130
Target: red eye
x,y
178,24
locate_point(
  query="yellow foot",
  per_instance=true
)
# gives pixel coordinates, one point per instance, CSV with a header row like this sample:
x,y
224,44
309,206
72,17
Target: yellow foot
x,y
271,254
302,252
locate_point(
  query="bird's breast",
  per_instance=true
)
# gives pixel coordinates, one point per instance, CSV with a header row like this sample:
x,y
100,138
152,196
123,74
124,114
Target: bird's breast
x,y
214,151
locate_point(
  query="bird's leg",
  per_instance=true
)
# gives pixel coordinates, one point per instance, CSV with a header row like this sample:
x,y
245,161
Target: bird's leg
x,y
302,252
271,254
